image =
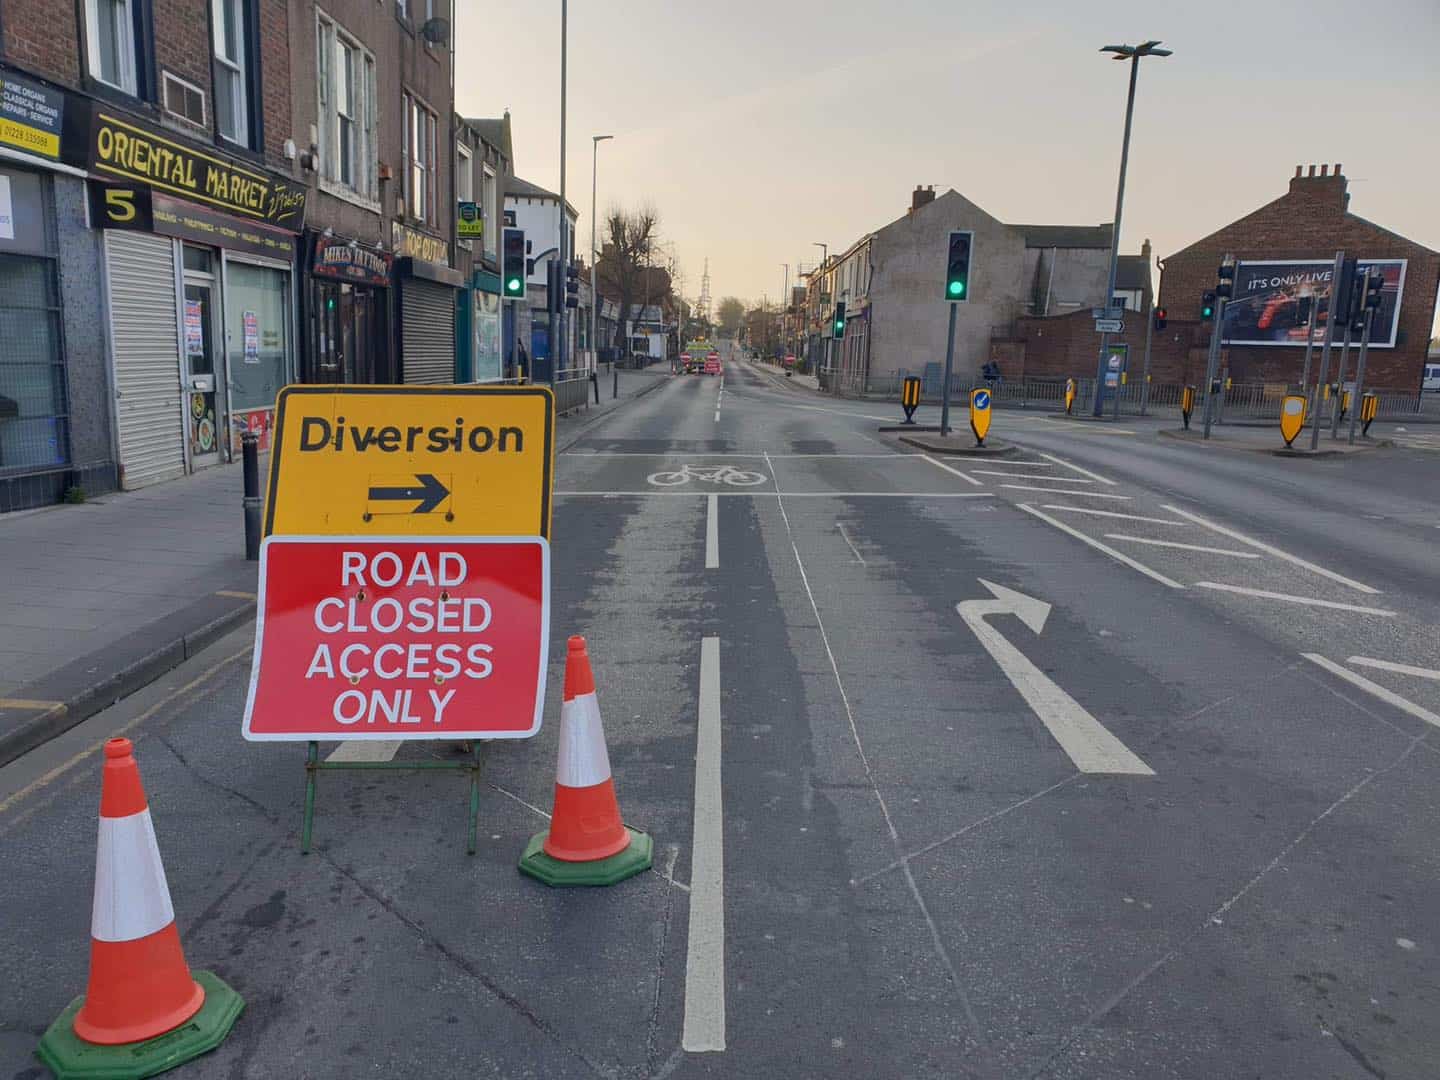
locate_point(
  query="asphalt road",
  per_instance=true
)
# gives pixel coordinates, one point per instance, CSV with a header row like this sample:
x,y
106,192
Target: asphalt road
x,y
1170,811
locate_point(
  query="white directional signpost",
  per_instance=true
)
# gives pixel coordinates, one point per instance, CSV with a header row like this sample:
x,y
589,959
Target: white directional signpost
x,y
1109,326
1091,747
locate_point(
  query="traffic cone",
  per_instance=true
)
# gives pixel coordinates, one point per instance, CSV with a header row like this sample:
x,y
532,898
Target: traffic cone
x,y
587,843
142,1012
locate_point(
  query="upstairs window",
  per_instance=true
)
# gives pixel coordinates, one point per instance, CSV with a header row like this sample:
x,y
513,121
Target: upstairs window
x,y
230,22
420,172
345,74
110,40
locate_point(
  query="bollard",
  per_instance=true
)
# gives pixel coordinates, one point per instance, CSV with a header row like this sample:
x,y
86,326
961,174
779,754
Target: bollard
x,y
250,455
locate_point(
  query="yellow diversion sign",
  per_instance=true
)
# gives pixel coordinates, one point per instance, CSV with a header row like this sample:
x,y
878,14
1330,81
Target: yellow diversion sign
x,y
412,460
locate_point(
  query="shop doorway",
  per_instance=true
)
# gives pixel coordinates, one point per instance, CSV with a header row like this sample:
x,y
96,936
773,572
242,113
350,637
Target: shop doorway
x,y
204,406
349,334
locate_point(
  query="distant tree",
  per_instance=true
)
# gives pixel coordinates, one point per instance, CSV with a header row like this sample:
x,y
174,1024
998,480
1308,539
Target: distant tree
x,y
626,267
731,314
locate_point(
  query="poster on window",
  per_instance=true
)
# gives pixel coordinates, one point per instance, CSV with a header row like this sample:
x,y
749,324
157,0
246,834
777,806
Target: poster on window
x,y
1281,301
250,325
194,328
488,361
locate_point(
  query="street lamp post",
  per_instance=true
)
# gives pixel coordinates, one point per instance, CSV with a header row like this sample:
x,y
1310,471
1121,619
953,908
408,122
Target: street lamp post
x,y
558,348
1133,53
824,261
785,311
595,141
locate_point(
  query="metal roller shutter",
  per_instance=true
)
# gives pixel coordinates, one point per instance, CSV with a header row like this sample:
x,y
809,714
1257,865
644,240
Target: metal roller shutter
x,y
427,313
144,338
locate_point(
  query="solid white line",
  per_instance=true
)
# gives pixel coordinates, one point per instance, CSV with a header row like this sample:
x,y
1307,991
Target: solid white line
x,y
705,955
1308,601
1185,547
1118,556
1064,491
1077,468
365,750
794,494
1033,476
712,534
1109,514
1269,550
950,469
724,454
1399,669
1032,464
1387,696
853,549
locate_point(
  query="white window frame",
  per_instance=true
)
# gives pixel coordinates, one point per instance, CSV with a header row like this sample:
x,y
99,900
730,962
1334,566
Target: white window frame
x,y
464,173
236,65
364,190
124,49
425,212
490,209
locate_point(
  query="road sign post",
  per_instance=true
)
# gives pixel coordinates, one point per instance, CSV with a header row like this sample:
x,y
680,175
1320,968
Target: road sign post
x,y
404,588
1367,401
945,386
1325,348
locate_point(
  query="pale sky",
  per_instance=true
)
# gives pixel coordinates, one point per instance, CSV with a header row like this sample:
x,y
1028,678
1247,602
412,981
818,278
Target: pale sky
x,y
758,127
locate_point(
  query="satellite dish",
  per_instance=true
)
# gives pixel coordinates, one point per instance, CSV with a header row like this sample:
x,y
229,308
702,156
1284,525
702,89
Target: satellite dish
x,y
436,31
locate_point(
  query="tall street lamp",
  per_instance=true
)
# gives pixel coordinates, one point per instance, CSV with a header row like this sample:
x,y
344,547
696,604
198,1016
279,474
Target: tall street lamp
x,y
557,348
1133,53
595,141
824,259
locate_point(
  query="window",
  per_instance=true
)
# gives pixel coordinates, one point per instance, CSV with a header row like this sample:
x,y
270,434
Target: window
x,y
489,210
464,184
232,90
420,178
110,34
345,76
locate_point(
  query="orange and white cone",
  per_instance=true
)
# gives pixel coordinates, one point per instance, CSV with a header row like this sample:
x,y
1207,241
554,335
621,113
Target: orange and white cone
x,y
140,985
587,842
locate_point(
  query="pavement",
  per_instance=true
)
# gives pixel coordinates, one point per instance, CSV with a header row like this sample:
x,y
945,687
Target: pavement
x,y
104,596
1111,758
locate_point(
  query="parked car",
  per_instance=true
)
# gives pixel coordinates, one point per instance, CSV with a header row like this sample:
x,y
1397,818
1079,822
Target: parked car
x,y
1431,382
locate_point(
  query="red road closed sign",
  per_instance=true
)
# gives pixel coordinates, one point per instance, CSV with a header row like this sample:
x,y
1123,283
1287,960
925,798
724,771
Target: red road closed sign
x,y
365,638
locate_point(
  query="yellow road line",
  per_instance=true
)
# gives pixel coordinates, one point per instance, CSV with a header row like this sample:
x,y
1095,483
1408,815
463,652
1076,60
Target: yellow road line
x,y
29,703
236,595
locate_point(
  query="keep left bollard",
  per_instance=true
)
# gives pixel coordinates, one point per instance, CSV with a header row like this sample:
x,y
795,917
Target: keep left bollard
x,y
250,456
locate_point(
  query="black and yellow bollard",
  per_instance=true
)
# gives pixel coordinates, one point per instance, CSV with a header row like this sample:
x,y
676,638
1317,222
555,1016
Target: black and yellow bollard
x,y
1187,405
909,396
1369,409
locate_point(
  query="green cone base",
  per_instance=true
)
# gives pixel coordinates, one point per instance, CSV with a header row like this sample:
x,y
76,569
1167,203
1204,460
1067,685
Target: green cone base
x,y
70,1057
557,873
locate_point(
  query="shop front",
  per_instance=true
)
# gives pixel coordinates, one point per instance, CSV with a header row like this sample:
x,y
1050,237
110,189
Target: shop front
x,y
427,288
199,257
479,355
348,312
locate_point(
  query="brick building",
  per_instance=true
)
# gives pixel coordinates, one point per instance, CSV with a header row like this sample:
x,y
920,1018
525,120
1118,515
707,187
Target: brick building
x,y
1311,222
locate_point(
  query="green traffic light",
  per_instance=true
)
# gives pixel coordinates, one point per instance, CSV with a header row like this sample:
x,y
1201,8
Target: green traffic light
x,y
1207,312
957,288
513,285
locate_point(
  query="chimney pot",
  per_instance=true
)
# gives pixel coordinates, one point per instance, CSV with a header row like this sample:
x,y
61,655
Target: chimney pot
x,y
1324,170
1298,168
1312,171
921,196
1337,168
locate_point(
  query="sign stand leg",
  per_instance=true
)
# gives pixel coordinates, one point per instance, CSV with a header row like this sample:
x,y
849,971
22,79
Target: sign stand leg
x,y
312,765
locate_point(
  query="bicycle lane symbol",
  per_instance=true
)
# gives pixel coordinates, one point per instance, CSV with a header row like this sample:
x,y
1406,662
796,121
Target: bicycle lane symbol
x,y
707,474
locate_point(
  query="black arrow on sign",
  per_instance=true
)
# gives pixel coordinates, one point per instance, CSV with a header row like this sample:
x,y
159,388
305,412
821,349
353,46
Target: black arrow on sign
x,y
431,493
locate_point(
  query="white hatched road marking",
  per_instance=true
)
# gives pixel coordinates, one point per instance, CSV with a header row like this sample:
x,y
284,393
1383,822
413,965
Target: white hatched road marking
x,y
1185,547
1066,491
1260,545
704,1028
950,469
1071,465
1375,689
1033,476
1390,665
853,549
1118,556
1109,514
1308,601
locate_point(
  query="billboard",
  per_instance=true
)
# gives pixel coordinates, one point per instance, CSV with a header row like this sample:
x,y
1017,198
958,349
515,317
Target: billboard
x,y
1280,301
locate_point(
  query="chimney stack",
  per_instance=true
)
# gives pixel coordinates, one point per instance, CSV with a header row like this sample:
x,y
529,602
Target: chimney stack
x,y
921,196
1321,185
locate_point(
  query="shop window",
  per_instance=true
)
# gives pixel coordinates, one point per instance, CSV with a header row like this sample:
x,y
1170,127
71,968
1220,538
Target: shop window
x,y
110,40
257,332
32,380
345,76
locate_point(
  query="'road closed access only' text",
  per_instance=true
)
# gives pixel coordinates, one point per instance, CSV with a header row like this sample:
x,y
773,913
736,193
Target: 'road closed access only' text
x,y
363,638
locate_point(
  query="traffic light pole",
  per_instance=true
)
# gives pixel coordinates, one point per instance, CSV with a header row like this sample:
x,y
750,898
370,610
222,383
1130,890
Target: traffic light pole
x,y
1340,377
1325,349
1145,375
945,386
1115,240
1357,405
558,348
1212,364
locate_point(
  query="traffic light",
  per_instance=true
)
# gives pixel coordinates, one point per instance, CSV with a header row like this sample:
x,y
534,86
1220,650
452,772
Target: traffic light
x,y
1226,275
1207,306
957,266
839,321
572,286
1160,317
512,264
1373,287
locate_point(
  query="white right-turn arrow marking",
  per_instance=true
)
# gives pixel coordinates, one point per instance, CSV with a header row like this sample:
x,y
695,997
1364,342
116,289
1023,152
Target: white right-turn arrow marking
x,y
1091,747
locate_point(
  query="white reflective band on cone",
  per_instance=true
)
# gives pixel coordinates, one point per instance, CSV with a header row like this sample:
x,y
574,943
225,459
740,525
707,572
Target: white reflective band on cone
x,y
583,760
132,899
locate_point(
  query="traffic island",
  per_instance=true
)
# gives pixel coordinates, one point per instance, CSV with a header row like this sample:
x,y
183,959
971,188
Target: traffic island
x,y
958,444
1268,441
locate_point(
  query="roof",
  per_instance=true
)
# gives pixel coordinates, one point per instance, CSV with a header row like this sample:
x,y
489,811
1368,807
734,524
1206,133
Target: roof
x,y
1066,236
524,189
1132,272
495,132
